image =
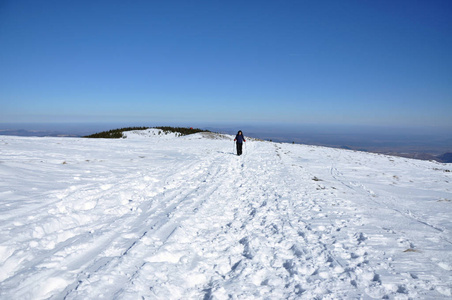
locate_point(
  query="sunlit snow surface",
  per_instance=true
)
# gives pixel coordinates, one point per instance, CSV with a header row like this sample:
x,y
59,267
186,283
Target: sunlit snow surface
x,y
157,216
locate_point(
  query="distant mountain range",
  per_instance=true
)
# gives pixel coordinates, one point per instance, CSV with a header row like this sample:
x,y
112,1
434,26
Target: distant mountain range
x,y
38,133
446,157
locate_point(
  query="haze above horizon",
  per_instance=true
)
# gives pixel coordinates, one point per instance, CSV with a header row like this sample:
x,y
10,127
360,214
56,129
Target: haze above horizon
x,y
377,63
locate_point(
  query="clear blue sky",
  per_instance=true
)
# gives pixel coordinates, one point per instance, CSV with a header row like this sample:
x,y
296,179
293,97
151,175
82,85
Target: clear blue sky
x,y
322,62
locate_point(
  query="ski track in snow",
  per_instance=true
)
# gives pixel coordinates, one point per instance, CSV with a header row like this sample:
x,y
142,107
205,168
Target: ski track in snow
x,y
157,216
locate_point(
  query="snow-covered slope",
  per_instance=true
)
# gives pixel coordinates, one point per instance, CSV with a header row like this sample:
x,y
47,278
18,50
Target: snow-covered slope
x,y
164,217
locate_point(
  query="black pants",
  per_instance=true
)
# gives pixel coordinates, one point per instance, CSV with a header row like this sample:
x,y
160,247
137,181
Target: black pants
x,y
239,148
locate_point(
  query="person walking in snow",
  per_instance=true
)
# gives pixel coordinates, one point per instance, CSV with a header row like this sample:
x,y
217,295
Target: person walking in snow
x,y
240,139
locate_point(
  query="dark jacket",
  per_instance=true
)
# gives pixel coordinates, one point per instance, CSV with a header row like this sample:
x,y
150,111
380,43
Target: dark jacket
x,y
240,138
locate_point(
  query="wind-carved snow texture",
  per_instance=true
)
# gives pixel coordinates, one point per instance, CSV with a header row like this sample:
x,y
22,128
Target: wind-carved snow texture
x,y
157,216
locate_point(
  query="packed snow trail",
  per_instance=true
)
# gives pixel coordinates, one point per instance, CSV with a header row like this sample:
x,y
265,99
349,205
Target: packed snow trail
x,y
157,216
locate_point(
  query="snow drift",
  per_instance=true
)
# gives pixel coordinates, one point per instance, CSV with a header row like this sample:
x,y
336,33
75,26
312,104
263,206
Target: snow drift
x,y
157,216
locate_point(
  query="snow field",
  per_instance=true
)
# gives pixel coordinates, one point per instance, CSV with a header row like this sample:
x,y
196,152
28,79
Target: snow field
x,y
157,216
